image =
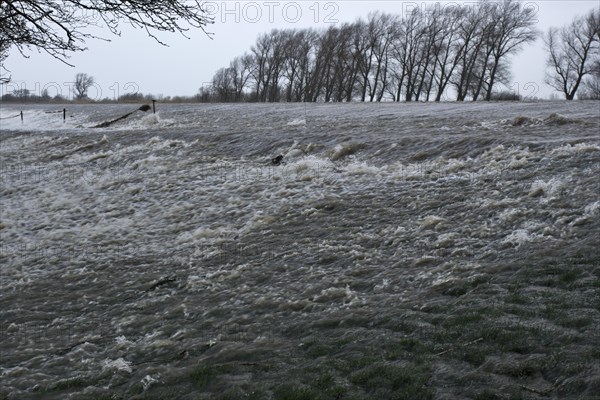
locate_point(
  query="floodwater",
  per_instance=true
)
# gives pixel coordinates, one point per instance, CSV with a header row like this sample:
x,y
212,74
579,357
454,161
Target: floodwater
x,y
134,253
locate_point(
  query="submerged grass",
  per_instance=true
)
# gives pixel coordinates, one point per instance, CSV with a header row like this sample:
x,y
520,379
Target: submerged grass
x,y
418,288
520,334
532,335
205,375
409,382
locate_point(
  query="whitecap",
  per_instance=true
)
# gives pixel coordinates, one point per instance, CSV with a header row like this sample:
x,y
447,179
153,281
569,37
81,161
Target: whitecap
x,y
119,364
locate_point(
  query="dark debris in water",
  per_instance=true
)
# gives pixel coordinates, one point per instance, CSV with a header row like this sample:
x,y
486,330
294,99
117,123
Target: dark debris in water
x,y
161,282
552,119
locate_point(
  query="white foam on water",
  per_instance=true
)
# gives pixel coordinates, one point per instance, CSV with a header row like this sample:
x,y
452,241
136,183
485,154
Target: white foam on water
x,y
296,122
149,380
519,237
568,149
362,168
592,208
149,120
197,283
385,283
122,340
294,154
307,168
548,188
446,240
431,221
510,214
119,364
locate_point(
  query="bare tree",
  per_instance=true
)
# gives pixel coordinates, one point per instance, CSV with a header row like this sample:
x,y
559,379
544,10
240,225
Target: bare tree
x,y
411,58
240,70
81,85
260,58
471,39
299,65
570,50
4,45
222,85
295,52
356,47
62,27
3,71
513,27
323,78
381,29
268,62
590,88
413,30
432,31
449,49
343,65
483,59
398,63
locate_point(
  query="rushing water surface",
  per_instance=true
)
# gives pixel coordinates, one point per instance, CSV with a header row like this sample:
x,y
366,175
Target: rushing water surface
x,y
135,253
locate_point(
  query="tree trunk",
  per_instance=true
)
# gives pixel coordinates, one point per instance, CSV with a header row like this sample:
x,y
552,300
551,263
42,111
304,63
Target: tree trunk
x,y
488,95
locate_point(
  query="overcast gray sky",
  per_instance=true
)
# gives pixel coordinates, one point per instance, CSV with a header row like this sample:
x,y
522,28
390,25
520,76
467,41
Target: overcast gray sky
x,y
135,62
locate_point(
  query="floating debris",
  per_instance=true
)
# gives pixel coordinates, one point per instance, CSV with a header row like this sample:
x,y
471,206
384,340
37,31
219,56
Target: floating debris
x,y
143,108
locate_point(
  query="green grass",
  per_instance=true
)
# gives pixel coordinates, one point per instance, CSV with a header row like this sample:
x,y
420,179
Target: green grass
x,y
576,323
317,348
560,275
518,339
355,363
525,368
461,320
324,381
405,347
516,298
238,394
475,355
71,383
77,382
484,337
405,382
488,394
205,375
569,277
292,392
463,287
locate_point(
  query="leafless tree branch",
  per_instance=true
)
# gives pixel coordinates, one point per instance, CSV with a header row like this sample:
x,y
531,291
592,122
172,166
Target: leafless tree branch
x,y
60,27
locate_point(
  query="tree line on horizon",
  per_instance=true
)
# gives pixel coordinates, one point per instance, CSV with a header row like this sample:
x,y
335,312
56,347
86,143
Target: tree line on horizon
x,y
417,57
463,51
